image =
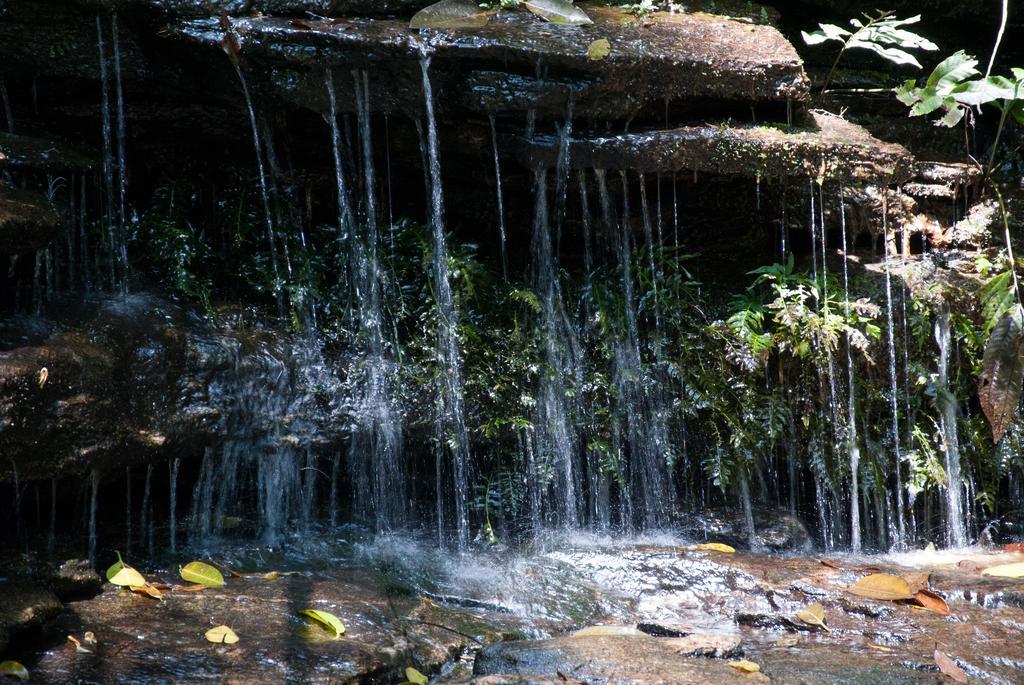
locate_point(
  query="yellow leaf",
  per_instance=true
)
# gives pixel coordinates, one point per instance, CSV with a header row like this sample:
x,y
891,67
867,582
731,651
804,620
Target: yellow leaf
x,y
324,619
272,575
881,586
599,49
415,677
202,574
44,373
813,615
123,574
745,666
1005,570
222,634
147,590
13,669
715,547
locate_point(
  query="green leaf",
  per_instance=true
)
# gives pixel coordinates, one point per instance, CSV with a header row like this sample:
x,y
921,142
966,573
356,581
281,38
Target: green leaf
x,y
122,574
827,32
13,669
950,72
450,14
599,49
558,12
1002,372
325,620
415,677
222,634
202,574
984,91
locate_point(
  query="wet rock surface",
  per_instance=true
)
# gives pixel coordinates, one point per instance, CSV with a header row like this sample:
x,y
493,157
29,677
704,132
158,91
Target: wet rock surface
x,y
125,381
775,530
27,221
609,659
870,641
39,154
23,607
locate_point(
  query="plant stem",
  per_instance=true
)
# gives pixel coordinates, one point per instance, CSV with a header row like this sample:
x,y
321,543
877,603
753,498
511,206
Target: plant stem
x,y
999,37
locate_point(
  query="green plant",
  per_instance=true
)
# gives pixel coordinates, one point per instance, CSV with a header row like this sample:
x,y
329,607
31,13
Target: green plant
x,y
882,34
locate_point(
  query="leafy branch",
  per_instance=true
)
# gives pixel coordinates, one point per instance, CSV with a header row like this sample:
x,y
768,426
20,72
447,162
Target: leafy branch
x,y
881,34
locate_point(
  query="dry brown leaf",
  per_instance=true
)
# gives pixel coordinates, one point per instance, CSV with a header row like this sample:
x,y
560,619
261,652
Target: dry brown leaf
x,y
1014,547
745,666
918,580
932,602
830,564
881,586
881,648
949,667
190,588
813,615
969,565
1005,570
78,645
147,590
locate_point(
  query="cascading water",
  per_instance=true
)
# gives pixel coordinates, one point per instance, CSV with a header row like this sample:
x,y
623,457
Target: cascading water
x,y
375,448
556,441
956,532
500,196
900,532
452,439
852,446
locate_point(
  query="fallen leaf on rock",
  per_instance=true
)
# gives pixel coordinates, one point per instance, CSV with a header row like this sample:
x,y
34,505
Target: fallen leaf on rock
x,y
78,645
272,575
1014,547
13,669
202,574
881,648
415,677
122,574
324,620
917,581
830,564
881,586
146,589
932,602
1005,570
44,373
222,634
813,615
450,14
90,639
745,666
603,631
599,49
715,547
787,641
195,587
949,667
558,12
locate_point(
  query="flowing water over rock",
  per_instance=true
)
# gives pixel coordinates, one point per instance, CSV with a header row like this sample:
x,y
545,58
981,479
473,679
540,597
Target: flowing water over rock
x,y
437,351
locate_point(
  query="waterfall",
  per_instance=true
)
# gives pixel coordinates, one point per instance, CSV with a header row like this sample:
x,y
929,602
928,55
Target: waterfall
x,y
264,194
5,100
556,438
128,508
853,448
956,533
146,523
94,488
500,197
122,168
108,159
450,426
893,402
172,516
375,450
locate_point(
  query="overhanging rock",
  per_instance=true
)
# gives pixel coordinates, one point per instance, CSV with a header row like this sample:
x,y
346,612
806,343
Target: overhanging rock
x,y
669,57
833,148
